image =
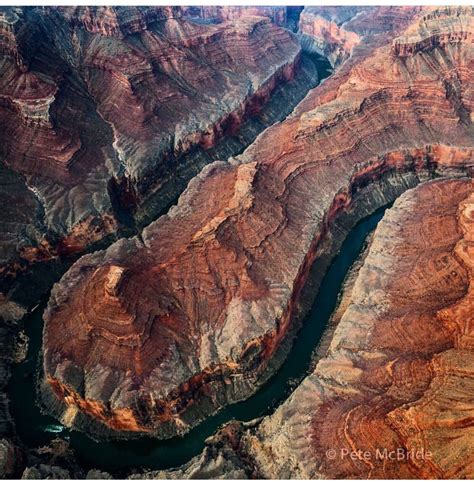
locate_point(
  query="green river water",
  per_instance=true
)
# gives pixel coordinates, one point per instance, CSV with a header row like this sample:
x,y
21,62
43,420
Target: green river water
x,y
35,428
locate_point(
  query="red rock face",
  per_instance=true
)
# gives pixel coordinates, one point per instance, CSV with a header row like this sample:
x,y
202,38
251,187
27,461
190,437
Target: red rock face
x,y
115,21
391,396
194,309
163,118
222,13
335,31
99,99
450,30
325,31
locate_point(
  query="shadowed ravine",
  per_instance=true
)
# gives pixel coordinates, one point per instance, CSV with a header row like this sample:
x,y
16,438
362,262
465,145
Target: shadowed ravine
x,y
36,429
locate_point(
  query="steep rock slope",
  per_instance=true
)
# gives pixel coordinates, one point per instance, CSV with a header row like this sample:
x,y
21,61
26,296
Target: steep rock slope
x,y
165,328
215,13
335,31
322,30
391,396
100,104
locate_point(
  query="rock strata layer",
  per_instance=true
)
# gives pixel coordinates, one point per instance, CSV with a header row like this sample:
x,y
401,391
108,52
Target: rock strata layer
x,y
392,395
323,29
335,31
215,13
100,105
165,328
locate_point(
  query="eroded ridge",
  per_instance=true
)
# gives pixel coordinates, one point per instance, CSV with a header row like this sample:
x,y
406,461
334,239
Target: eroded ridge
x,y
212,288
99,106
336,31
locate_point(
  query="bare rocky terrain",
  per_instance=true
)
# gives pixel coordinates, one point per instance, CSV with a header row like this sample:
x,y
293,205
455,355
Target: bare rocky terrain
x,y
159,330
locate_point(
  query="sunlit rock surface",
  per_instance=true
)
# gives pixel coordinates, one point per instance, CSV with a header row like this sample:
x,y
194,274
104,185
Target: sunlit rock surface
x,y
391,397
164,328
324,29
101,107
98,106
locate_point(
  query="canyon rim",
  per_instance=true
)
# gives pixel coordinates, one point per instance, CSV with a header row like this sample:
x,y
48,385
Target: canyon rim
x,y
237,242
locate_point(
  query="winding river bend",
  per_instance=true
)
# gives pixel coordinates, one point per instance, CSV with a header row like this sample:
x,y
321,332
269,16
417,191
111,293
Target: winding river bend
x,y
36,429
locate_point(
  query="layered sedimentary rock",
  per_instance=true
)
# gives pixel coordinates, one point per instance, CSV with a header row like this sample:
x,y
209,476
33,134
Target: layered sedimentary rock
x,y
99,107
391,396
217,13
164,328
322,29
449,25
115,21
335,31
100,104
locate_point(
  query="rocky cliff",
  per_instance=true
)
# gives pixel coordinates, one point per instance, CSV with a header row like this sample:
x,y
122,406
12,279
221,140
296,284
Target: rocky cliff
x,y
322,29
100,107
215,13
335,31
391,397
165,328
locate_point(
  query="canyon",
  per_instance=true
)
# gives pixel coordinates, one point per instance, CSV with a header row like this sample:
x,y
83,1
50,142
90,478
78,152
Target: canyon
x,y
390,395
169,88
208,266
197,310
87,171
398,373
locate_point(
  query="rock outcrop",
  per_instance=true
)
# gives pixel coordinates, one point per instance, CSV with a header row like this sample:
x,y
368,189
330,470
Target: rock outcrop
x,y
215,13
335,31
390,394
322,29
391,397
449,25
8,458
100,107
165,328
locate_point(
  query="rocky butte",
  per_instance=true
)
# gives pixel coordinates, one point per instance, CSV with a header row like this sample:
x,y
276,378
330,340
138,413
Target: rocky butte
x,y
165,328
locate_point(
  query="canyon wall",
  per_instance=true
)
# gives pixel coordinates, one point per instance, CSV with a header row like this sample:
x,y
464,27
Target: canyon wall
x,y
101,105
391,397
322,29
335,31
215,13
220,277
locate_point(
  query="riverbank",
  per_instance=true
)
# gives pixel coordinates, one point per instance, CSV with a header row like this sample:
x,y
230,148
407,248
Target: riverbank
x,y
37,429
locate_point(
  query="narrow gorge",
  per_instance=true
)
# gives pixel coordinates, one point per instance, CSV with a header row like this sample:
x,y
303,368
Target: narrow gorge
x,y
204,338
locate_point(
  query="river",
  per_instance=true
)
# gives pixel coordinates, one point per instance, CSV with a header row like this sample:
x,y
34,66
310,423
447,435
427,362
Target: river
x,y
118,457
